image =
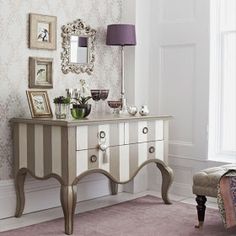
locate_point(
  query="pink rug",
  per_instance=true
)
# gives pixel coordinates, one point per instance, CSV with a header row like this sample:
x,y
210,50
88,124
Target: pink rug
x,y
146,216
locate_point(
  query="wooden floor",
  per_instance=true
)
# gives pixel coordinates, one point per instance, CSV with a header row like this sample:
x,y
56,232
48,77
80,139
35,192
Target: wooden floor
x,y
50,214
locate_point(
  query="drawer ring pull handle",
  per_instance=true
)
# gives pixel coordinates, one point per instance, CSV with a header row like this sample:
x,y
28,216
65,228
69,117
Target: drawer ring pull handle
x,y
145,130
152,149
102,134
93,158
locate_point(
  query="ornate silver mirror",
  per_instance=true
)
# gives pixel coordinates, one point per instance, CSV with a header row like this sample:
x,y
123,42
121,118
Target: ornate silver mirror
x,y
78,48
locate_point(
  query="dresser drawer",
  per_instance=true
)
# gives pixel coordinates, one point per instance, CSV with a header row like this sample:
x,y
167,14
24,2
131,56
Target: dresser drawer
x,y
91,136
121,161
92,159
141,152
143,131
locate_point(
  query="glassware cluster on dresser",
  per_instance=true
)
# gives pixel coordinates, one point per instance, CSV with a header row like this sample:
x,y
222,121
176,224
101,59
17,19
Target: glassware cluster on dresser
x,y
76,103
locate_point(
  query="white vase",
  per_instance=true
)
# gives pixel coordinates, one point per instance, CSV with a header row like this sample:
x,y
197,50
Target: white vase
x,y
144,110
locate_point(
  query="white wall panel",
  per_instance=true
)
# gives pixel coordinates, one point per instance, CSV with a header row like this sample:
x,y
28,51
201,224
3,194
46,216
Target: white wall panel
x,y
183,175
177,89
179,82
177,10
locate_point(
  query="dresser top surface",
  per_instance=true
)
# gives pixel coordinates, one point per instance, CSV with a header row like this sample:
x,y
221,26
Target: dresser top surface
x,y
98,119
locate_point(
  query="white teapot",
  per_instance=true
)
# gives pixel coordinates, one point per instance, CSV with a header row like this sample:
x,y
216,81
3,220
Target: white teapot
x,y
132,110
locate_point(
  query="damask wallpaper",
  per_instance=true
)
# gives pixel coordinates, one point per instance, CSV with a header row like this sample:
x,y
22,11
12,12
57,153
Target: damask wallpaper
x,y
14,55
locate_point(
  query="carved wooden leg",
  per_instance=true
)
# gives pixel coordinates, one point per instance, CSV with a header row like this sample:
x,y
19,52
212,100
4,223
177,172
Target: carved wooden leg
x,y
114,187
20,195
167,179
68,203
201,200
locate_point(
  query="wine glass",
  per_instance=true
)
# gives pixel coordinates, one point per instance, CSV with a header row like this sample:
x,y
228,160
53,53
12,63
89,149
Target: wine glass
x,y
69,94
103,95
115,105
95,93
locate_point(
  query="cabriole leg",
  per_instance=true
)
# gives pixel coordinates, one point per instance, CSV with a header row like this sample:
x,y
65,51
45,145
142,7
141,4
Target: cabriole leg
x,y
114,187
68,203
201,208
20,194
167,179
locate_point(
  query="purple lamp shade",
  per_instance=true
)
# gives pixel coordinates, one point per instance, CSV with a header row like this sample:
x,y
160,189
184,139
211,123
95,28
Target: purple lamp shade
x,y
83,42
121,34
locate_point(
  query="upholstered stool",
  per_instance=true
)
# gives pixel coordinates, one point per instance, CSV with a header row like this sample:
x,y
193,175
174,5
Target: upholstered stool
x,y
205,184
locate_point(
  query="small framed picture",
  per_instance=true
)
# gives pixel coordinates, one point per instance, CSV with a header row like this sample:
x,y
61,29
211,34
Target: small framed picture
x,y
40,73
43,32
39,104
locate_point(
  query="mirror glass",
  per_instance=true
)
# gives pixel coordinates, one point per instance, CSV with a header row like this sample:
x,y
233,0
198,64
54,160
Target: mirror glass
x,y
79,49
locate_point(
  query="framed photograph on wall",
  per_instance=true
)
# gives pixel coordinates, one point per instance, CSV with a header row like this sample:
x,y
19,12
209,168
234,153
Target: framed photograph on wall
x,y
39,104
43,32
40,73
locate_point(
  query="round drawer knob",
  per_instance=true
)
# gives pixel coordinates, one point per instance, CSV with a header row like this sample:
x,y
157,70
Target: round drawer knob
x,y
152,149
145,130
93,158
102,134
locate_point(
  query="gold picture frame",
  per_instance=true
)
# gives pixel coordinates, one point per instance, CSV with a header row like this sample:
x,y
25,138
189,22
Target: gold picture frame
x,y
39,104
40,72
42,31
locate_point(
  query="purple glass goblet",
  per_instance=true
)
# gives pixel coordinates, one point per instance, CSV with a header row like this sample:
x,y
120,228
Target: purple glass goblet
x,y
115,105
104,95
95,94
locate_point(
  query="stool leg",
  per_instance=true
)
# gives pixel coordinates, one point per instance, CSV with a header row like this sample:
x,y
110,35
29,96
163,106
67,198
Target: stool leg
x,y
201,200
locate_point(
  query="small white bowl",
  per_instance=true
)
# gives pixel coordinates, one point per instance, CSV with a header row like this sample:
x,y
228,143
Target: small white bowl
x,y
132,110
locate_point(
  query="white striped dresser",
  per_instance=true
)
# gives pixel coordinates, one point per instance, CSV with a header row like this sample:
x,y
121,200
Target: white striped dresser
x,y
68,150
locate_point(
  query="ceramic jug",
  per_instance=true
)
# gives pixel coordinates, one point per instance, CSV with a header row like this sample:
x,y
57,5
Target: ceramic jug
x,y
144,110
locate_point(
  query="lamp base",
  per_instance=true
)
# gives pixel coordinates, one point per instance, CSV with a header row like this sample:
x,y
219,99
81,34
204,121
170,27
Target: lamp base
x,y
124,108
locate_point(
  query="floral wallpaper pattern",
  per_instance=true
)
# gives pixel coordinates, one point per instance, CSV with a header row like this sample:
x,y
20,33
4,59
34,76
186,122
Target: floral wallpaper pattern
x,y
14,31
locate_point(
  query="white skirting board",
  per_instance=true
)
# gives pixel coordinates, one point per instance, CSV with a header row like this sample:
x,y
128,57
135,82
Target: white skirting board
x,y
41,195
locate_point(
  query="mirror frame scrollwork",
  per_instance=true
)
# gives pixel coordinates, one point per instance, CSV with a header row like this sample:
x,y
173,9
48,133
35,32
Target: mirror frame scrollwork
x,y
78,28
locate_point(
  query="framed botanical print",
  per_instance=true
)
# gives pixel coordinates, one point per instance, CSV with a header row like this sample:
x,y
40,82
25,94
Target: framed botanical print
x,y
43,32
40,72
39,104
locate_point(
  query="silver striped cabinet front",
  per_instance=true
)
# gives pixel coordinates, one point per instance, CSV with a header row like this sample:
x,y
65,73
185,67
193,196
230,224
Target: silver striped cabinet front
x,y
67,150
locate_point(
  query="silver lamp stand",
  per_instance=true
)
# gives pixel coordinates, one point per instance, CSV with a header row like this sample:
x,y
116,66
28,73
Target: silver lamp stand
x,y
123,109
